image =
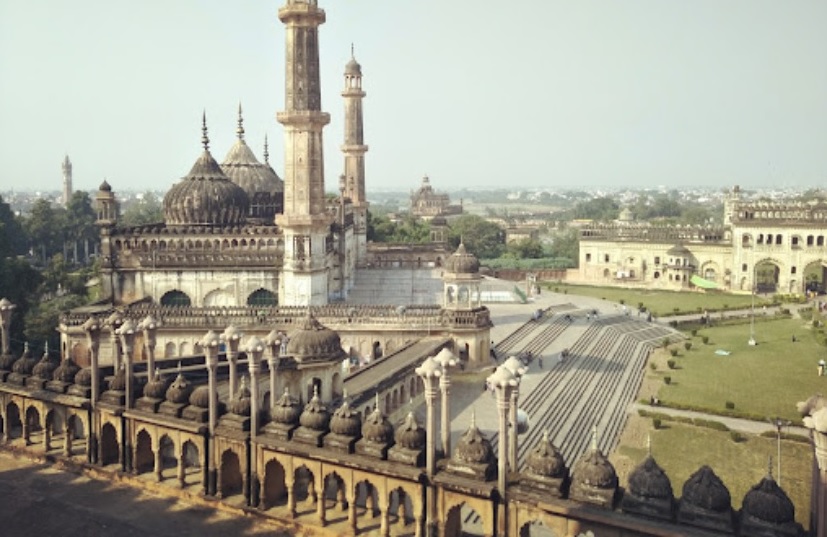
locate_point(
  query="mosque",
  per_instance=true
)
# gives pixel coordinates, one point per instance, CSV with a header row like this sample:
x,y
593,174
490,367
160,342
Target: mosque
x,y
228,362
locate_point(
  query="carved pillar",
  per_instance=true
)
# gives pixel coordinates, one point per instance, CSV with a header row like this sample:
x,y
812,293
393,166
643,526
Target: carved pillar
x,y
6,310
446,360
92,327
429,372
503,381
159,465
47,438
182,470
515,366
127,334
231,337
149,326
291,499
67,441
321,507
418,529
351,510
210,343
25,421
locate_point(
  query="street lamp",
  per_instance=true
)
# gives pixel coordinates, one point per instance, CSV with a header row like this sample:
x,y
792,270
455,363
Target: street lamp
x,y
445,358
231,337
6,310
779,424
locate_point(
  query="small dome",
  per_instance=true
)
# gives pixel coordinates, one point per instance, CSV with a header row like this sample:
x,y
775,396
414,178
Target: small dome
x,y
377,428
439,220
84,377
7,361
105,186
594,470
346,421
648,480
286,411
545,460
45,367
242,403
678,249
315,415
25,363
462,262
474,447
704,489
768,502
352,68
410,433
157,387
313,341
66,371
244,169
118,382
180,390
200,397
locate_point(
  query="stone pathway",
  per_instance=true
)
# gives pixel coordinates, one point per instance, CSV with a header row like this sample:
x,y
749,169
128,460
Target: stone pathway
x,y
734,424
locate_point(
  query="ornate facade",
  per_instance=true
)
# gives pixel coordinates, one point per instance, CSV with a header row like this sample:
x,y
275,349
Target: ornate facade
x,y
769,247
427,203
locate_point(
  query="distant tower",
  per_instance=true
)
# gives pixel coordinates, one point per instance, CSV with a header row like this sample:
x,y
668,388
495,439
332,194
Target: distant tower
x,y
67,180
354,149
731,201
304,277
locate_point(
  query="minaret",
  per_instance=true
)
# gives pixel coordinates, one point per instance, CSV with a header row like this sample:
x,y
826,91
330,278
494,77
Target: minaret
x,y
304,278
67,180
354,149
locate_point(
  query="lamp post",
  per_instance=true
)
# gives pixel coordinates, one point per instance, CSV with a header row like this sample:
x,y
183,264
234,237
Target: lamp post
x,y
503,381
231,337
127,335
92,327
518,370
149,326
6,310
210,343
445,358
779,424
429,372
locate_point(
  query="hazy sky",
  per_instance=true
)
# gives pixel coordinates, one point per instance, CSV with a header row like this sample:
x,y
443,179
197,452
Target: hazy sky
x,y
480,94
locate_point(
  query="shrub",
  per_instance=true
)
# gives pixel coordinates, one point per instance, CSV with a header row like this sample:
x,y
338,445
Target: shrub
x,y
705,339
640,306
694,332
656,423
671,364
667,380
726,306
622,301
736,436
652,366
673,352
665,342
710,424
729,405
687,345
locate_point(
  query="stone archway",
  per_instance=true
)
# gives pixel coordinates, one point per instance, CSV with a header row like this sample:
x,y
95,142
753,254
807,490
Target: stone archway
x,y
33,427
167,453
191,459
536,528
400,507
275,488
14,425
463,521
144,457
109,445
229,477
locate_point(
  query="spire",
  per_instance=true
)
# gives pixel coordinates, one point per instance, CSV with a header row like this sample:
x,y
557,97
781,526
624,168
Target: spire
x,y
473,419
352,55
545,435
240,129
594,437
205,140
769,466
377,401
266,151
649,444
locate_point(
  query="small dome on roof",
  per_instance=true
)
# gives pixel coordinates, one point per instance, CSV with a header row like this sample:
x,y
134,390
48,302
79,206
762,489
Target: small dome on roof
x,y
45,367
545,460
473,447
200,397
242,404
678,249
180,390
410,433
66,371
346,421
315,342
352,68
118,382
594,469
462,262
377,428
286,410
157,387
84,377
244,169
25,363
704,489
648,480
768,502
105,187
315,415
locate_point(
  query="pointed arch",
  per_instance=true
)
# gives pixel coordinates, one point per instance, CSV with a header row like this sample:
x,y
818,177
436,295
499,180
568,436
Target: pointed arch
x,y
275,487
144,456
230,474
109,445
176,298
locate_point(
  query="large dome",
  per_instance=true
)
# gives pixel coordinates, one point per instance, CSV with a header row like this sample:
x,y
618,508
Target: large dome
x,y
242,168
205,197
462,262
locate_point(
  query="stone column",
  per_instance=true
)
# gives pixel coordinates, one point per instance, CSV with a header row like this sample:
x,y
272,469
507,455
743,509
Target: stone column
x,y
47,438
127,335
518,370
6,310
446,360
210,343
182,469
255,350
321,508
503,381
149,326
159,465
231,337
351,513
429,372
291,499
273,341
92,327
67,440
114,322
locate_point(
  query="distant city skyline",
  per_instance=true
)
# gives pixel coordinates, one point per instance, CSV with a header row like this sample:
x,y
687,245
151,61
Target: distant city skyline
x,y
556,95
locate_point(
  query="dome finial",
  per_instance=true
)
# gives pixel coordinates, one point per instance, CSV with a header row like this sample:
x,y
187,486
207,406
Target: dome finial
x,y
315,391
545,435
649,444
473,419
205,140
240,129
594,437
769,466
344,394
377,401
266,151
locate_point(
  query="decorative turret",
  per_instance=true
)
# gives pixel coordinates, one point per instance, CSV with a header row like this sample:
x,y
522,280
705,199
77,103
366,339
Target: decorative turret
x,y
313,422
410,442
67,180
649,492
345,429
594,479
314,342
767,511
354,150
545,469
473,456
706,502
377,434
461,279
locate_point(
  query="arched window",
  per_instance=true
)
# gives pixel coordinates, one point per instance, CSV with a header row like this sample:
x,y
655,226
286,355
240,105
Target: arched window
x,y
262,297
176,299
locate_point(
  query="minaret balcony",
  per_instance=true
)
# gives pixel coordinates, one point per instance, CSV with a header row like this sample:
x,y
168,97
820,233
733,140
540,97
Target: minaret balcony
x,y
304,12
303,118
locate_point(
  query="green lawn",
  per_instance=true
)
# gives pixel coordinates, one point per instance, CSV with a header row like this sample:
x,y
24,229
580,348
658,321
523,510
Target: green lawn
x,y
682,449
662,303
766,380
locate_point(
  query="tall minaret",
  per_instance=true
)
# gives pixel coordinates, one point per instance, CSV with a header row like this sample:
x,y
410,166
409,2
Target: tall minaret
x,y
67,180
304,278
354,149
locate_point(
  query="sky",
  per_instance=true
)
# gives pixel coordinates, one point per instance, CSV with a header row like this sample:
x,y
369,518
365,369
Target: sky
x,y
478,94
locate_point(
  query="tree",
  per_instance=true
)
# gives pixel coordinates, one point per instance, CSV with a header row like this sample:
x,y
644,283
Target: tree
x,y
525,249
43,317
146,210
80,224
13,240
604,208
44,227
565,244
482,238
